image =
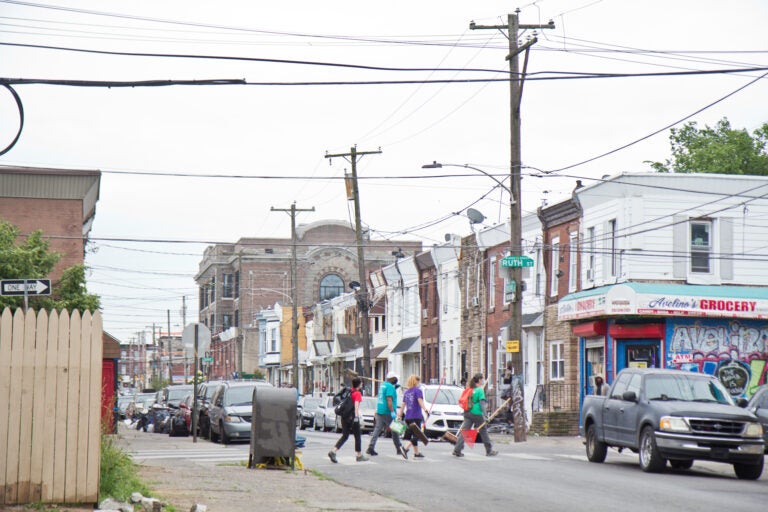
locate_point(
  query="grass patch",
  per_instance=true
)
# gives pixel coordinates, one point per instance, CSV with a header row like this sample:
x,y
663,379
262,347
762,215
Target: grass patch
x,y
119,474
319,475
240,464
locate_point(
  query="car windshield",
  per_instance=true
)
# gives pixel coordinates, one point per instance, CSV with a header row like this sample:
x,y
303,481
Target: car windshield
x,y
142,399
311,403
686,388
446,396
239,395
369,402
177,394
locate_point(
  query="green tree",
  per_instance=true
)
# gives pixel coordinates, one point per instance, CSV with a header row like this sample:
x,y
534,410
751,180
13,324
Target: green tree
x,y
721,150
33,259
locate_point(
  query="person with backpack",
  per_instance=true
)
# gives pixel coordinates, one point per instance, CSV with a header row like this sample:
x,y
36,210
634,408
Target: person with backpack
x,y
385,413
348,410
474,415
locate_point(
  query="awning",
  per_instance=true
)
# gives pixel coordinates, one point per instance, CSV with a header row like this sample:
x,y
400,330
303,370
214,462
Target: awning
x,y
662,299
349,342
377,351
533,320
407,345
323,347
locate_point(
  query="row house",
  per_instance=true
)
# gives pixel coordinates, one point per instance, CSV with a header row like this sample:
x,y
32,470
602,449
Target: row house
x,y
404,314
430,312
446,260
658,270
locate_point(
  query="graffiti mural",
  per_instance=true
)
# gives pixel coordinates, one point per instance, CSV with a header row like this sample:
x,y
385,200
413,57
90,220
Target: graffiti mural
x,y
732,350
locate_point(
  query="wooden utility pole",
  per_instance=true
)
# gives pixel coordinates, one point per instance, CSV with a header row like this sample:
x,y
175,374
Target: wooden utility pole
x,y
516,79
362,294
294,299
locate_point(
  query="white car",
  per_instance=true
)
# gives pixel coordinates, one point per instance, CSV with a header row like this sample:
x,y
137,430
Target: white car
x,y
325,417
445,413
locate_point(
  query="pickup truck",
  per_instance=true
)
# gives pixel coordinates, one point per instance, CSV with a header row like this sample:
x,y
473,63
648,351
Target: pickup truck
x,y
675,416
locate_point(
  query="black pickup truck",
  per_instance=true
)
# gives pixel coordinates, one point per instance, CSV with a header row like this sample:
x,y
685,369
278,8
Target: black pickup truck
x,y
675,416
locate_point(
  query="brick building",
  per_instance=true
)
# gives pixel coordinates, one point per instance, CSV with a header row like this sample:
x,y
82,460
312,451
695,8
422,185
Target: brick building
x,y
238,280
60,202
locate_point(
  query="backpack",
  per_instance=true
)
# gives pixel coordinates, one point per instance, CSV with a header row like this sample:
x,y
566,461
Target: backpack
x,y
344,407
466,398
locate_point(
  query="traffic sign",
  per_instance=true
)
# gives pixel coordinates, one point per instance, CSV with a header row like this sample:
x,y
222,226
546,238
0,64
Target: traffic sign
x,y
19,287
207,359
203,339
516,262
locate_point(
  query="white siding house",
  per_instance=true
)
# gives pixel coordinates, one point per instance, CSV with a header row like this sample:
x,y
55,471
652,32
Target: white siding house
x,y
446,258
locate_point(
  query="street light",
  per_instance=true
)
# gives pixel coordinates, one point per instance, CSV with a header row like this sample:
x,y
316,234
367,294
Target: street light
x,y
438,165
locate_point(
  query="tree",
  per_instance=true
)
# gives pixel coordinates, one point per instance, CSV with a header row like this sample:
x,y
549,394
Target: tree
x,y
720,150
33,259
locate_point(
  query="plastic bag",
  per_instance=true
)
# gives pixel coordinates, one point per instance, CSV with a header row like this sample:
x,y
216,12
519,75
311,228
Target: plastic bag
x,y
397,427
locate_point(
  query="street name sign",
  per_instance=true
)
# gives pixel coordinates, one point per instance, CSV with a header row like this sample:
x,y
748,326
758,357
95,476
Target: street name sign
x,y
516,262
29,287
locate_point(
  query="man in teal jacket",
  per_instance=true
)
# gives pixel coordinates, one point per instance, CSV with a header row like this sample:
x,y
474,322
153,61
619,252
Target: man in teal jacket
x,y
386,408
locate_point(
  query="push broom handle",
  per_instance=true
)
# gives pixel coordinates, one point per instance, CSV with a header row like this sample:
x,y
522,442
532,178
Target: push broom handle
x,y
495,413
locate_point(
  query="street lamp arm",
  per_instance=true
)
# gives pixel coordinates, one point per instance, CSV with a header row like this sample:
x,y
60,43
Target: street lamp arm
x,y
438,165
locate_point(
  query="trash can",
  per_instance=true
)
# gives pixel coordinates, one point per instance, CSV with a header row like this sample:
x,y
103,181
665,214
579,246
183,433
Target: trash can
x,y
273,425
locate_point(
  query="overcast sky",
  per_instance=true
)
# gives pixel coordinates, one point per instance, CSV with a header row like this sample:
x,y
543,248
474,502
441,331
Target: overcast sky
x,y
280,133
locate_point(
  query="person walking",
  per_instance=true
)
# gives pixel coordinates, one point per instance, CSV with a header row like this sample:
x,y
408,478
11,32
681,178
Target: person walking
x,y
413,405
351,423
475,416
385,413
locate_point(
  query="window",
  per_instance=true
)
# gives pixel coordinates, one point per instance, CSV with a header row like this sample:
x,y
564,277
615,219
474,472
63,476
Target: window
x,y
556,361
612,247
227,288
273,339
554,267
331,286
237,284
492,283
591,254
213,290
226,321
701,246
539,267
573,261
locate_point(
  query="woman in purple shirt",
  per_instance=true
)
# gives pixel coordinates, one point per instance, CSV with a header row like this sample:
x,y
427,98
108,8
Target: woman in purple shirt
x,y
413,404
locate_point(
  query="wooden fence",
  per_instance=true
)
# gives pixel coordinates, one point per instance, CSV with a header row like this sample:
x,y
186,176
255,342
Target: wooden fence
x,y
50,388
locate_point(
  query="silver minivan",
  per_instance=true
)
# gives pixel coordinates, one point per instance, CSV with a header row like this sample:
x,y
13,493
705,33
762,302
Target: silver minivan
x,y
231,410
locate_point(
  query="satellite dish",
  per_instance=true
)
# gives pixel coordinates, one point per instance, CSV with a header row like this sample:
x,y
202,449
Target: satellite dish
x,y
475,217
447,237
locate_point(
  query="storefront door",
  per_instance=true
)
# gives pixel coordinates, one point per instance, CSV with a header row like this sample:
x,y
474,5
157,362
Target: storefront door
x,y
634,353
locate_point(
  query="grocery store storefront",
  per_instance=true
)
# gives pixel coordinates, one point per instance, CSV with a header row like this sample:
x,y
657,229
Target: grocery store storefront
x,y
719,330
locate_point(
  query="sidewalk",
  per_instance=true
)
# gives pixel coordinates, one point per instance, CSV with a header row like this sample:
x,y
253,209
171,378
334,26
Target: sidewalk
x,y
227,488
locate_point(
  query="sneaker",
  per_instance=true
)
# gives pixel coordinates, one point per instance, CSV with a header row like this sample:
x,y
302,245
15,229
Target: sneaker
x,y
332,456
361,458
418,455
371,452
458,454
492,453
402,451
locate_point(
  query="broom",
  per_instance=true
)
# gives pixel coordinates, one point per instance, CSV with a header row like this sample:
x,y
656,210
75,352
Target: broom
x,y
351,374
470,436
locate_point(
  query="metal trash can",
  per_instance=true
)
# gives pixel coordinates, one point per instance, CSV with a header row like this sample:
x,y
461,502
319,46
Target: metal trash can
x,y
273,425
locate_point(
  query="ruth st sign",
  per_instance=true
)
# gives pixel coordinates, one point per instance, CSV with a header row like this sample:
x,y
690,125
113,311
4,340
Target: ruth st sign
x,y
516,262
24,287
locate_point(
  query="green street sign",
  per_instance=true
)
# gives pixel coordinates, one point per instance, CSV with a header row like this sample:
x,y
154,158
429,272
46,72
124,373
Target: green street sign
x,y
516,262
207,359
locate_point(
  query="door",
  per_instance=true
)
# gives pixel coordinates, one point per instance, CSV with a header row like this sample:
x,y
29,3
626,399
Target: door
x,y
613,408
638,354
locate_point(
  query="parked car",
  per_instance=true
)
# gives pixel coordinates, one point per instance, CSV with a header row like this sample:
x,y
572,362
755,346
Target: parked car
x,y
758,405
171,396
306,411
445,414
325,417
205,392
122,405
368,413
142,402
231,410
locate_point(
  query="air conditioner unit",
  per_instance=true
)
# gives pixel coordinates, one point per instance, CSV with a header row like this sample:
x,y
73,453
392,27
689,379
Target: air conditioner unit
x,y
475,301
424,313
590,274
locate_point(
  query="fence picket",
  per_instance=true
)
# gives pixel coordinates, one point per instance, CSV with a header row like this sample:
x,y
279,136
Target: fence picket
x,y
14,400
49,434
73,403
60,443
94,425
26,404
6,333
38,409
86,405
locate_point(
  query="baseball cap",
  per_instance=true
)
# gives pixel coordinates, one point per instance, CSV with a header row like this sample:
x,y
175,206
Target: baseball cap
x,y
393,375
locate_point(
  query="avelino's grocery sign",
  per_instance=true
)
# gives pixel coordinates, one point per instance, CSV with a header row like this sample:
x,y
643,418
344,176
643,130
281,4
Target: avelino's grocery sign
x,y
623,300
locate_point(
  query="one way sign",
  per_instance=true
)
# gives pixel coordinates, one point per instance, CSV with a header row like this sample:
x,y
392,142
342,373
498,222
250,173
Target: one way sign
x,y
19,287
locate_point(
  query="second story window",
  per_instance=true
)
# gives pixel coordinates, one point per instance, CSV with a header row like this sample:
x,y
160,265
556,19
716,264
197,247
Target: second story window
x,y
591,254
614,254
331,286
701,246
492,283
573,262
554,268
227,286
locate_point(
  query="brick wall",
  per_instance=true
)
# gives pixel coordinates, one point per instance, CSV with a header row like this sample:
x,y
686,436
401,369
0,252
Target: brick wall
x,y
60,217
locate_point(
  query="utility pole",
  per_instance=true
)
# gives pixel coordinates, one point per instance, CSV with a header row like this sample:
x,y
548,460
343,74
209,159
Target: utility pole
x,y
294,299
170,348
516,80
362,294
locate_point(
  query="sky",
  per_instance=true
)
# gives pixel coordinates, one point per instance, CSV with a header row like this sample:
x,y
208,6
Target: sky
x,y
185,166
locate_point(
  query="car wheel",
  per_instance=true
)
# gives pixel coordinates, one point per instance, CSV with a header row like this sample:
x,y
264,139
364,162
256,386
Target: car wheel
x,y
681,464
326,428
651,460
596,449
749,471
214,437
224,437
